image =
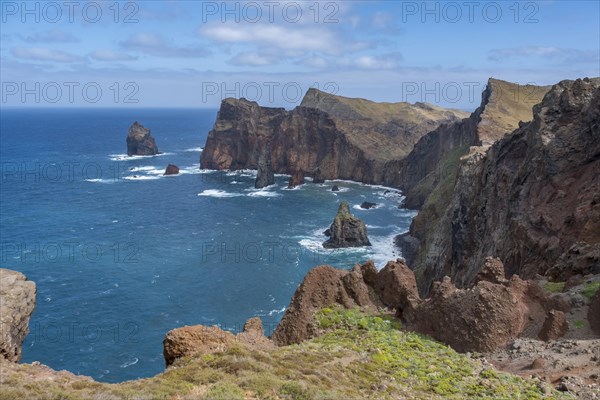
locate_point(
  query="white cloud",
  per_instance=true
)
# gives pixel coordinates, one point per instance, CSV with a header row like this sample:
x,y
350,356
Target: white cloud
x,y
109,55
44,54
156,45
252,59
384,61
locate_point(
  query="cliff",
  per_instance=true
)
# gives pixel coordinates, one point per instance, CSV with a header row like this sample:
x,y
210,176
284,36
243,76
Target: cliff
x,y
327,136
530,199
17,302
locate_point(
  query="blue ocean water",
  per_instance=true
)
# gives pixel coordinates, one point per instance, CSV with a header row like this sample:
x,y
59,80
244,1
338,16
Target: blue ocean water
x,y
121,254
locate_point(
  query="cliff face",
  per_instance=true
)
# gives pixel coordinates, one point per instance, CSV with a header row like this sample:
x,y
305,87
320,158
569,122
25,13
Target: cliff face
x,y
327,136
532,199
434,159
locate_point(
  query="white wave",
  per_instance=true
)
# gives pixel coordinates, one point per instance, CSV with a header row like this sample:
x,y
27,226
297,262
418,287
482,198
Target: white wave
x,y
191,170
316,246
100,180
218,193
193,149
383,249
125,157
273,312
263,193
142,169
358,207
242,172
141,178
130,363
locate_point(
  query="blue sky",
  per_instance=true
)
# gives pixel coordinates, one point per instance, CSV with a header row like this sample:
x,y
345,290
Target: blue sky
x,y
192,54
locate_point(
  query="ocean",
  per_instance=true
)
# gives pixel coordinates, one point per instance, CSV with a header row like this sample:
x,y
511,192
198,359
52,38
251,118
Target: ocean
x,y
122,254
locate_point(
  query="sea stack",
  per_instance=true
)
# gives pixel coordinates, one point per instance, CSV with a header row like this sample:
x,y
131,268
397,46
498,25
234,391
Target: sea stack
x,y
171,170
296,179
140,142
346,230
265,175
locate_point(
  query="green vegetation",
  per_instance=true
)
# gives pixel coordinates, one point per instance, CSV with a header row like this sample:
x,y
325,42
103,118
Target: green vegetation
x,y
579,324
554,287
357,357
590,289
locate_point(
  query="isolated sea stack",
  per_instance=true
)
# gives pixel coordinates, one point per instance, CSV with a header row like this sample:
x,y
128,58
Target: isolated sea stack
x,y
140,142
346,230
171,170
265,175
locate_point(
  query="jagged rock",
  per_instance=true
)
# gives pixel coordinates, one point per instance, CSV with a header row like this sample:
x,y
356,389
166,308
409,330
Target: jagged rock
x,y
322,287
396,287
492,271
296,179
199,340
171,170
17,302
555,326
318,176
264,175
347,230
333,136
367,205
140,142
335,188
594,313
483,318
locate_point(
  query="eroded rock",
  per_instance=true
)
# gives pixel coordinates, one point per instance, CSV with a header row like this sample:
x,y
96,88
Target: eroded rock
x,y
140,142
347,230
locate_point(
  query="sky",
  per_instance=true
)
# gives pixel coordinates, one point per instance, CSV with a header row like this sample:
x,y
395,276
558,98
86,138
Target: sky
x,y
193,54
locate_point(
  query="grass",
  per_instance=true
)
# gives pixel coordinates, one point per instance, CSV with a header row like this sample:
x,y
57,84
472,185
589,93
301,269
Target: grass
x,y
579,324
358,356
554,287
590,289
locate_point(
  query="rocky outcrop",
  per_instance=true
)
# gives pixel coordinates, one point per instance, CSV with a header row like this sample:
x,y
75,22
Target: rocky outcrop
x,y
346,230
199,340
367,205
482,318
171,170
327,136
594,313
264,174
322,287
17,302
335,188
529,198
296,179
140,142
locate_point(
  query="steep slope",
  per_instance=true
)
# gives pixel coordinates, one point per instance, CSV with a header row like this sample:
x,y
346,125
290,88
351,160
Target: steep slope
x,y
532,199
327,136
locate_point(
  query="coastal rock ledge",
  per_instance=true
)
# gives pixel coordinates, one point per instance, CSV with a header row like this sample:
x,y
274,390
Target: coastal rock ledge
x,y
140,142
17,302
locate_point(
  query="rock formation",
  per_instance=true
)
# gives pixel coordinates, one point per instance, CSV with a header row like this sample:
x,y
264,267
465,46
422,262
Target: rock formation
x,y
296,179
367,205
555,326
199,340
335,188
264,174
140,142
327,136
482,318
171,170
531,198
347,230
17,302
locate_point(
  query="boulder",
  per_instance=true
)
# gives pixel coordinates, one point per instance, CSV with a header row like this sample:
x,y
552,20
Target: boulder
x,y
296,179
335,188
140,142
17,302
367,205
347,230
171,170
